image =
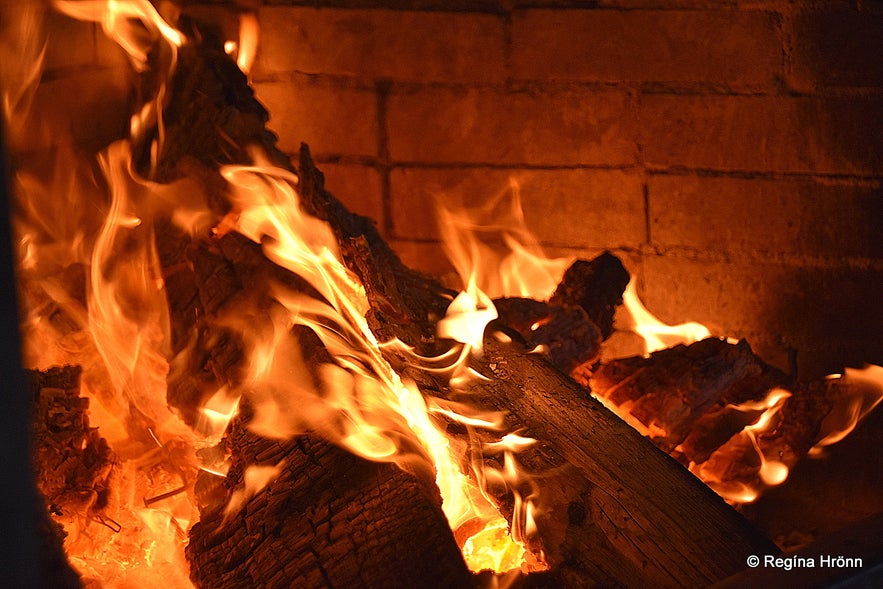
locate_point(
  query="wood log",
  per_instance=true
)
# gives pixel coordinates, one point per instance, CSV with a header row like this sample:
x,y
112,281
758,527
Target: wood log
x,y
329,519
596,286
565,332
672,389
627,515
695,401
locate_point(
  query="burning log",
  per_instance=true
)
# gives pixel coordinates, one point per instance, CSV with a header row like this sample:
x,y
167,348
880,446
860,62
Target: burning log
x,y
671,390
565,332
73,465
596,287
626,514
74,461
327,519
578,316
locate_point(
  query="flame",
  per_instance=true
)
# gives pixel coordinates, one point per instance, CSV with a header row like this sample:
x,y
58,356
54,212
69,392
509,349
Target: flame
x,y
862,391
741,447
509,261
363,404
21,36
120,334
657,335
249,32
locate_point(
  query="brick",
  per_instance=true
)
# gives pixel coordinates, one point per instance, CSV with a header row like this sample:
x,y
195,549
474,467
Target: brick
x,y
835,48
755,216
396,45
490,126
796,307
70,42
330,119
565,208
358,187
726,47
838,135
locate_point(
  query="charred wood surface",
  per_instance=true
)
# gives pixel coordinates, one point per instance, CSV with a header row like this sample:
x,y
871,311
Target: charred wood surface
x,y
329,519
565,332
72,465
596,286
673,389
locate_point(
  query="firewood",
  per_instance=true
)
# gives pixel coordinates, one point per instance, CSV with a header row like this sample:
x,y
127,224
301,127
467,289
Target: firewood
x,y
596,286
627,514
617,495
566,333
672,389
330,519
71,461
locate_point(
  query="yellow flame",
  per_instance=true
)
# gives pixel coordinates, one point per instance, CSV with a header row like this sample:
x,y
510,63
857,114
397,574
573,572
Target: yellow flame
x,y
364,405
861,391
658,335
509,260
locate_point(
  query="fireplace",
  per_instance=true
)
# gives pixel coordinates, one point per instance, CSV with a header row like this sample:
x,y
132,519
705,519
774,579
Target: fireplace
x,y
728,155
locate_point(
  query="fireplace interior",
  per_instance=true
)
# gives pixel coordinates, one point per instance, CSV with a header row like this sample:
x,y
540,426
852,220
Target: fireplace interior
x,y
728,153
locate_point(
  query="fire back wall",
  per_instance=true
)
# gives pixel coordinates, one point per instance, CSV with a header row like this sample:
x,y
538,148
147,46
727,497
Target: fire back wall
x,y
730,152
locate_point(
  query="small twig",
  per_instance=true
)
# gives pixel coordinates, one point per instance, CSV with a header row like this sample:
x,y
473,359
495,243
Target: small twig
x,y
152,500
106,521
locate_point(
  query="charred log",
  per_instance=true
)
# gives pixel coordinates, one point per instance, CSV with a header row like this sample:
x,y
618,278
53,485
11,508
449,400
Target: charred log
x,y
328,519
596,286
566,333
71,461
673,389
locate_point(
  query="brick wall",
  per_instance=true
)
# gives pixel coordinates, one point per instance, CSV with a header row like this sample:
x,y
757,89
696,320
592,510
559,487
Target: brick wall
x,y
730,151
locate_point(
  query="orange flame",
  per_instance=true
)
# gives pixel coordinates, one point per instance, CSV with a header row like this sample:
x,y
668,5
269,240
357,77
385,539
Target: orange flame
x,y
364,405
862,391
509,261
769,473
658,335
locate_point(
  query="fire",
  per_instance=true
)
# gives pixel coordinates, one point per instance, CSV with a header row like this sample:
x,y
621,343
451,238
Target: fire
x,y
364,405
656,334
121,335
862,391
493,250
94,287
769,473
